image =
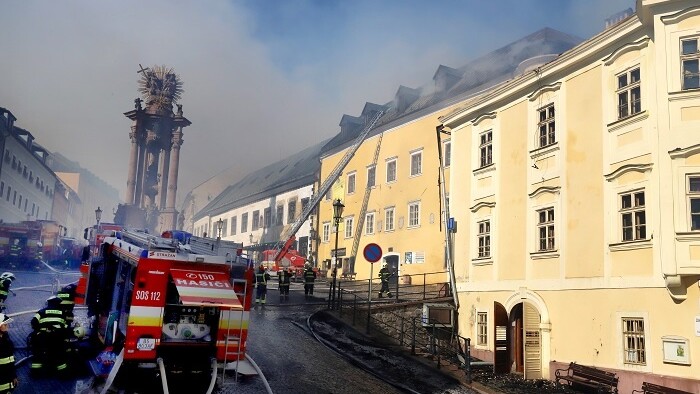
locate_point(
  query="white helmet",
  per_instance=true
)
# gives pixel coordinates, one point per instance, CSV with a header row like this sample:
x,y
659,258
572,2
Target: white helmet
x,y
39,244
8,275
79,332
4,319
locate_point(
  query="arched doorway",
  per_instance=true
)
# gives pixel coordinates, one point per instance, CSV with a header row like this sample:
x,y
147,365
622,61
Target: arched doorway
x,y
529,330
501,359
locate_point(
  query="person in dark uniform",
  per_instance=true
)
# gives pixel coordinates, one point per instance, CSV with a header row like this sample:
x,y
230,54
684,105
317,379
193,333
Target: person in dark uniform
x,y
8,373
48,338
261,279
67,296
6,279
284,281
384,276
15,251
309,279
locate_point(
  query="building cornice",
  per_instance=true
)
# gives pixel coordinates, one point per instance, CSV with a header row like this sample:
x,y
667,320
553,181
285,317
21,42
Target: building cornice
x,y
632,46
628,168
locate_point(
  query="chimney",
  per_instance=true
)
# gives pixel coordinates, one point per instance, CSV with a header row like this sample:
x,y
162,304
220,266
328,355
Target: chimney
x,y
405,96
616,18
445,78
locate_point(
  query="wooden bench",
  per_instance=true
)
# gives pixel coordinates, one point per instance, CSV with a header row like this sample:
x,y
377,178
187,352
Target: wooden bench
x,y
348,275
593,378
651,388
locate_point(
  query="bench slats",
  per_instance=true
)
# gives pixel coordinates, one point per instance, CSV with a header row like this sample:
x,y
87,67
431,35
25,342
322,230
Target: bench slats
x,y
651,388
587,376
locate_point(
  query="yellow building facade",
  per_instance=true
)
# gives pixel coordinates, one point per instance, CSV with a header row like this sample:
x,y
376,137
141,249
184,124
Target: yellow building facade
x,y
403,210
576,189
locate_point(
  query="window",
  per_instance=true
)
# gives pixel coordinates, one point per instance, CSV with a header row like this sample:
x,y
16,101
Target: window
x,y
633,337
326,232
351,182
629,99
291,211
223,227
447,155
416,163
389,219
9,190
391,171
482,328
256,220
484,238
279,215
371,176
547,135
694,202
545,229
633,216
304,203
244,222
14,197
348,227
690,58
20,202
268,217
369,223
414,214
2,188
485,149
234,225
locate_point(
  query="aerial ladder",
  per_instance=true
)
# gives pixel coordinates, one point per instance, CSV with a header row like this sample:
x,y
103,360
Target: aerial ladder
x,y
290,234
363,209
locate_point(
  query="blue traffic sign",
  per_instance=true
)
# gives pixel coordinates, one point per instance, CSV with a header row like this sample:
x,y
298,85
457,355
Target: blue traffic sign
x,y
372,252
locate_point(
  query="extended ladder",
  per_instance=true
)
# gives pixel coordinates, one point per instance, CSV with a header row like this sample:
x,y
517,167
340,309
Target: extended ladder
x,y
363,210
324,188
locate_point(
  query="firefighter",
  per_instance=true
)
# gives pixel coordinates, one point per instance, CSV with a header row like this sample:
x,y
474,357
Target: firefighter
x,y
8,373
47,341
284,281
309,279
6,279
261,278
67,296
384,276
15,250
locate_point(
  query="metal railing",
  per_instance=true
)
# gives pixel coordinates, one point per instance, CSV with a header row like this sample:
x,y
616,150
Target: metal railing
x,y
429,337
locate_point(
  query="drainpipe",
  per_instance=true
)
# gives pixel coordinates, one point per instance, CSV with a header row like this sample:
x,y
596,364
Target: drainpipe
x,y
446,216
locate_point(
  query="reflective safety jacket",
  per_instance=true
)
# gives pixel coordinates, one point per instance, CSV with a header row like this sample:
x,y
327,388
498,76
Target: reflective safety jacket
x,y
261,278
4,288
7,364
14,250
49,319
309,275
384,274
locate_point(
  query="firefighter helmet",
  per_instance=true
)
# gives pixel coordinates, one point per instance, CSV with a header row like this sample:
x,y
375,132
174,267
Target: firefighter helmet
x,y
53,301
307,265
8,275
39,245
69,288
4,319
79,332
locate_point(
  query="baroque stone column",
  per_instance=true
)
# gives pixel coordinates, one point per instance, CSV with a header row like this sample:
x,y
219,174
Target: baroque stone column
x,y
174,167
164,176
133,156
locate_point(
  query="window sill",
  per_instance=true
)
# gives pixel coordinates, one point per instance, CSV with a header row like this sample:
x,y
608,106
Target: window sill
x,y
412,227
544,150
631,245
415,175
485,169
544,254
686,94
688,236
620,123
389,231
390,182
482,261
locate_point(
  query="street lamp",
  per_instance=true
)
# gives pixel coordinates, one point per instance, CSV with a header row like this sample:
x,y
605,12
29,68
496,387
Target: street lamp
x,y
337,216
219,226
98,217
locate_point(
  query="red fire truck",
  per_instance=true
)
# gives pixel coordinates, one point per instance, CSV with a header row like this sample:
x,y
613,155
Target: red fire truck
x,y
159,305
29,236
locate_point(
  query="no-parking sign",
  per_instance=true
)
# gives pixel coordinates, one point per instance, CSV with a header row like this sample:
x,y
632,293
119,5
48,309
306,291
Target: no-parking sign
x,y
372,252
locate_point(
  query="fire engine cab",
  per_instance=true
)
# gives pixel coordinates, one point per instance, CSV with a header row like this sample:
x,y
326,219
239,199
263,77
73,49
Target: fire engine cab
x,y
159,305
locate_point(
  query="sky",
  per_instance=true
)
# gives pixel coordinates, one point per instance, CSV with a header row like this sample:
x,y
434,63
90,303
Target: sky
x,y
262,79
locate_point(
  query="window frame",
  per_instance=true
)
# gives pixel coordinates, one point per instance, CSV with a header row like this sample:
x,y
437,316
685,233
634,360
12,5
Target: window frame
x,y
639,341
482,328
291,211
447,153
351,182
690,197
410,223
483,233
416,169
369,223
256,220
632,212
387,222
485,155
234,224
395,163
349,222
688,58
326,233
549,125
627,91
244,222
371,176
546,242
279,215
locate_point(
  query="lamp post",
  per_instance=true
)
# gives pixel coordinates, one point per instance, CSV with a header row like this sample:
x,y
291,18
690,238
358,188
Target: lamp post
x,y
337,216
219,227
98,217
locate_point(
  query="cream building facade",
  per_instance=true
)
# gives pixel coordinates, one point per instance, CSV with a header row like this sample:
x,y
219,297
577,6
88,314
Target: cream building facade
x,y
576,188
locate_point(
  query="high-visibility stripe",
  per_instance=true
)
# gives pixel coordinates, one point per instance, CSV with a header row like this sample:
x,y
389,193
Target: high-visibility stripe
x,y
6,386
7,360
149,316
232,320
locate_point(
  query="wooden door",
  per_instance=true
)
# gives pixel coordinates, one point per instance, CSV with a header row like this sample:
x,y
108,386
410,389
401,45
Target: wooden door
x,y
532,352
